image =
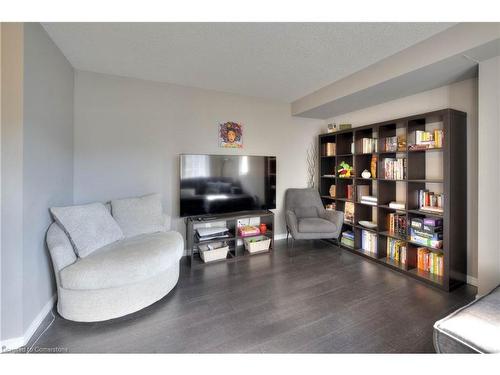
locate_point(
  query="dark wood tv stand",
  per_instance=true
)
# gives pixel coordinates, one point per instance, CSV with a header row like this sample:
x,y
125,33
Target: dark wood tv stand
x,y
236,246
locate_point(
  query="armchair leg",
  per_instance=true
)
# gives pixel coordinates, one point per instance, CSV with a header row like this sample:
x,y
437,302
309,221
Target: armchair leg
x,y
289,235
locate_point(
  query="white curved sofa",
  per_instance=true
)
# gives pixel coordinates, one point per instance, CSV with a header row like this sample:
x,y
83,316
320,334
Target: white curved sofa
x,y
117,279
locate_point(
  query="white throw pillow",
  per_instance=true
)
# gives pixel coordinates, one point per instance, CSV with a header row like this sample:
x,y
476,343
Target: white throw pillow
x,y
88,226
138,215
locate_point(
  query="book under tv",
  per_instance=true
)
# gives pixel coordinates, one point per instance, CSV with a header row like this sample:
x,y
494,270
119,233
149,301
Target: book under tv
x,y
221,184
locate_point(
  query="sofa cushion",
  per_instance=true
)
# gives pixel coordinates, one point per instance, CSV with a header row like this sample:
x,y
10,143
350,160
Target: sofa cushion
x,y
89,226
128,261
475,326
316,225
305,212
138,215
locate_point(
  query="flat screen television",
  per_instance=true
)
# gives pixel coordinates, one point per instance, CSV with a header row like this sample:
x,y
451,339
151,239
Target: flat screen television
x,y
218,184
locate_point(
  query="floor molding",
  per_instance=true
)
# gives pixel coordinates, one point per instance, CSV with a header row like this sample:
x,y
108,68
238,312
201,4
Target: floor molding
x,y
471,280
17,342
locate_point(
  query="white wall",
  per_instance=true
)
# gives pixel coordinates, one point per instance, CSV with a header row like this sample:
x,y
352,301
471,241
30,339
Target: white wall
x,y
462,96
489,172
37,171
47,159
12,187
129,133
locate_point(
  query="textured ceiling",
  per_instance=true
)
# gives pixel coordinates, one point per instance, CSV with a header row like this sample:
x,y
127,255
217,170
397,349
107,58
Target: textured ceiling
x,y
283,61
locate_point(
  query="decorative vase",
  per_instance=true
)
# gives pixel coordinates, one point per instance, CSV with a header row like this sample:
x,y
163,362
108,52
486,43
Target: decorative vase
x,y
366,174
373,167
332,191
263,228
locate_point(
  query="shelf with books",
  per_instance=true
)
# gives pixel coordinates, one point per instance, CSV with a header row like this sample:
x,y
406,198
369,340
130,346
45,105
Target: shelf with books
x,y
426,213
393,235
435,149
344,199
328,197
427,276
418,244
389,208
359,226
428,181
391,262
435,170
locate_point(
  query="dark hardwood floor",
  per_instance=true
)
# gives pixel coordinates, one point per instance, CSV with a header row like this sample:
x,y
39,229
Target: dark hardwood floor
x,y
322,299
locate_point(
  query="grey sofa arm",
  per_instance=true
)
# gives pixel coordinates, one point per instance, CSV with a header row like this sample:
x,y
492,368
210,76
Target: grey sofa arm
x,y
292,222
336,217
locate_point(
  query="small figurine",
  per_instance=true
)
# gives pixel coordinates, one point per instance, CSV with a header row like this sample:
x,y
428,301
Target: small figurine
x,y
345,170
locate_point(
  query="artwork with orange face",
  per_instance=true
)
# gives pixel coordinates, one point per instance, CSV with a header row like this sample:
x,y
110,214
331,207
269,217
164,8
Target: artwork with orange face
x,y
230,135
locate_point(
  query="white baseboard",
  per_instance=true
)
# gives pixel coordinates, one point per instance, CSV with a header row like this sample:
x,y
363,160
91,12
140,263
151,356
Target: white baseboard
x,y
17,342
11,344
472,281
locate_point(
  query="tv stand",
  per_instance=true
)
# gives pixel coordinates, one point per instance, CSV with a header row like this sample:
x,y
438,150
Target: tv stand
x,y
235,240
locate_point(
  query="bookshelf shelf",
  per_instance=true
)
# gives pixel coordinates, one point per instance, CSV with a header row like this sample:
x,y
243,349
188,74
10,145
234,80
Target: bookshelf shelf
x,y
428,181
392,235
417,244
344,199
435,149
426,213
427,276
363,228
344,155
393,263
441,170
328,197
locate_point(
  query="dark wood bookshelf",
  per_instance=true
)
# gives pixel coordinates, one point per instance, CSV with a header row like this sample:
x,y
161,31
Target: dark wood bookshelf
x,y
450,160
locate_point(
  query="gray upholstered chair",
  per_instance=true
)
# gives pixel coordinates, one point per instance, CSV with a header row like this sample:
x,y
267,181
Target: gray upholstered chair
x,y
307,219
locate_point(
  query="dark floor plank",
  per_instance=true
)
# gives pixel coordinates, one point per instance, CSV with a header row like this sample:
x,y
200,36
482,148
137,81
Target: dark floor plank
x,y
321,299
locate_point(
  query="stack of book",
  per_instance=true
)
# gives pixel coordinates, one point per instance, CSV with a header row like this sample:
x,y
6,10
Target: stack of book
x,y
328,149
347,238
396,250
425,139
394,144
430,201
429,261
395,168
427,232
368,145
391,144
330,207
397,224
369,199
349,212
362,190
205,234
369,242
397,205
350,192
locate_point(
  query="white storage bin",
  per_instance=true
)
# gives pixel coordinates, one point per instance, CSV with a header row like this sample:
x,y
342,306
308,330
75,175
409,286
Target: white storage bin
x,y
215,254
259,244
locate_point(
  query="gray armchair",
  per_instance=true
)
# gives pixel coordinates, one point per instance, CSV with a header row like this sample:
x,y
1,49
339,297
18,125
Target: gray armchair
x,y
307,219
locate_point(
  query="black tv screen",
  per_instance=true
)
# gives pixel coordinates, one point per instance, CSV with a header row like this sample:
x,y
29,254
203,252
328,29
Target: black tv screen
x,y
217,184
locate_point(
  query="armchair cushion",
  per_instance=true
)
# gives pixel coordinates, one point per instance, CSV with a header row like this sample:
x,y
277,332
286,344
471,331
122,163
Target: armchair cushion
x,y
139,215
305,212
316,225
89,226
